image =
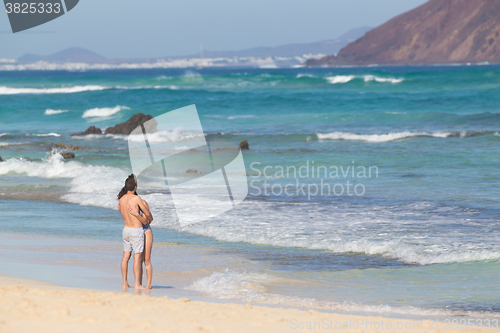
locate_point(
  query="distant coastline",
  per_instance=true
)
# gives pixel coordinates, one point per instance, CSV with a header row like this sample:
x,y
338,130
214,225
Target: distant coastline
x,y
197,63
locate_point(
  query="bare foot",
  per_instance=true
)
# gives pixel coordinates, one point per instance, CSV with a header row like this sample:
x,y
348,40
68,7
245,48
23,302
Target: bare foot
x,y
139,287
127,285
148,287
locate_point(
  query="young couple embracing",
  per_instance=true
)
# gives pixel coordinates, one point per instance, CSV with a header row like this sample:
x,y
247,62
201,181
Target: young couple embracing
x,y
137,233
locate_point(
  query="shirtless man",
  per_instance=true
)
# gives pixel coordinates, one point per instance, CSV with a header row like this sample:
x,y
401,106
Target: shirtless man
x,y
133,234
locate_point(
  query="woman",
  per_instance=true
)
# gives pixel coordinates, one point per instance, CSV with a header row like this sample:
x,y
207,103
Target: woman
x,y
148,243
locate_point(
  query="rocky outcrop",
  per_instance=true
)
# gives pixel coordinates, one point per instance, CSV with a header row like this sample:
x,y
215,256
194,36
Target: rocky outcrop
x,y
1,159
244,145
65,146
439,31
90,130
68,155
135,121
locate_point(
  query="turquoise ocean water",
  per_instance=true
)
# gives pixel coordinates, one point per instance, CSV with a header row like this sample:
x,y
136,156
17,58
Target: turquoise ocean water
x,y
420,235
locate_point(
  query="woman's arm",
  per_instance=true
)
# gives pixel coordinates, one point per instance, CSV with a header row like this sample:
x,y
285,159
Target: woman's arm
x,y
140,217
150,216
144,207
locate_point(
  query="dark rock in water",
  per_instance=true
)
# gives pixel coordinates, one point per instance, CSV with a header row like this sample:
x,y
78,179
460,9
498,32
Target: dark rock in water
x,y
68,155
1,159
65,146
244,145
90,130
135,121
219,133
193,171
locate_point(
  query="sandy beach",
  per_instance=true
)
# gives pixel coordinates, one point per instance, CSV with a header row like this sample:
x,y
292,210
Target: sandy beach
x,y
28,305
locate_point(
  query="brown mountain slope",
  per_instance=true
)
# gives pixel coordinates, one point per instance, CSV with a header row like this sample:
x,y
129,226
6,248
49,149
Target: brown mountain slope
x,y
439,31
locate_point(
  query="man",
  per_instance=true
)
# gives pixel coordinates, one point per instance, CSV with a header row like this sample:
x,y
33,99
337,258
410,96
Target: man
x,y
133,234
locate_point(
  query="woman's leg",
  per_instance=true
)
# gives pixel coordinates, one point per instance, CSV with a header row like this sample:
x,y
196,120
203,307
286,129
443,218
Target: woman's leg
x,y
142,260
148,235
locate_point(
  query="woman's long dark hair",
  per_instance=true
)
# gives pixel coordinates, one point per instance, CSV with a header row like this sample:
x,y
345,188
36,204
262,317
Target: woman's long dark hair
x,y
130,184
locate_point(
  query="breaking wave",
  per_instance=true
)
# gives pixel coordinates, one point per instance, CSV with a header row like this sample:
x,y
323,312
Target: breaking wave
x,y
62,90
50,112
366,78
103,112
347,136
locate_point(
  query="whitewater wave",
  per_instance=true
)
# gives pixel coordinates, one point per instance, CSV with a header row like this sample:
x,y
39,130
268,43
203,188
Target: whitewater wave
x,y
347,136
283,225
62,90
89,185
5,144
45,135
50,112
103,112
339,78
175,135
250,287
366,78
406,252
304,75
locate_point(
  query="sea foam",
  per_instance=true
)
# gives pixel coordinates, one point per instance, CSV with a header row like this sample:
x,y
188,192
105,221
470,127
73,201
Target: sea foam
x,y
377,231
62,90
339,78
89,185
366,78
50,112
45,135
347,136
103,112
250,287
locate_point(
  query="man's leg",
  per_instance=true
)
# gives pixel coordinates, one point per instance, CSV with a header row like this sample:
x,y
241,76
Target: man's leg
x,y
125,259
137,270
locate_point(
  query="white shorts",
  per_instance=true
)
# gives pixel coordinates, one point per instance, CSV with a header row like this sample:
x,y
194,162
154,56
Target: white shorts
x,y
133,239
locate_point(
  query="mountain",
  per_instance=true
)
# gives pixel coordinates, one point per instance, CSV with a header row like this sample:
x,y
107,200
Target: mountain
x,y
330,46
74,55
439,31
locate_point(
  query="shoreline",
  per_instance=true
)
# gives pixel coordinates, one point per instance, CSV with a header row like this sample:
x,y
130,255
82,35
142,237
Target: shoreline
x,y
29,304
76,263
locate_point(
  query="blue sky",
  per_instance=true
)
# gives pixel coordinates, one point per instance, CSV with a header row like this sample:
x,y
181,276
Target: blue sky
x,y
150,28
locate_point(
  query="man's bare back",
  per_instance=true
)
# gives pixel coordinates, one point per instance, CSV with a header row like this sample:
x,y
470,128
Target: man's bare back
x,y
134,203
